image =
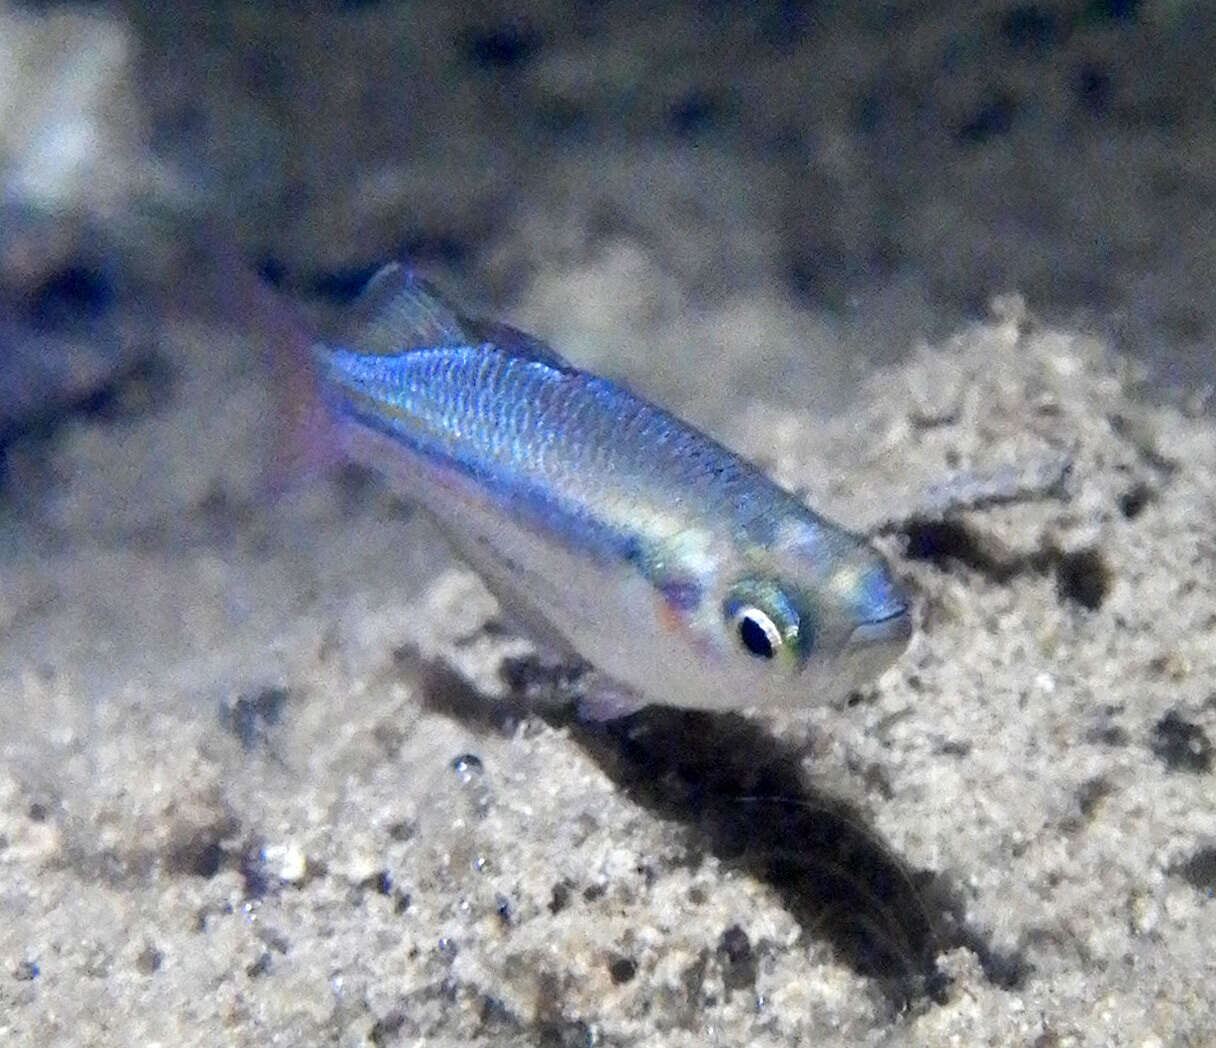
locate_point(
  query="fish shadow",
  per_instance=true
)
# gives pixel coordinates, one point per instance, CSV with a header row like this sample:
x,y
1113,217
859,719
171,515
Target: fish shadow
x,y
740,792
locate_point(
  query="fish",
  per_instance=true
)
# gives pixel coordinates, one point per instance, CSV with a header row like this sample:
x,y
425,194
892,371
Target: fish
x,y
614,533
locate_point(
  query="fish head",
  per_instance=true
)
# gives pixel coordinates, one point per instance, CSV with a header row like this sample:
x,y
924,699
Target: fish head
x,y
805,617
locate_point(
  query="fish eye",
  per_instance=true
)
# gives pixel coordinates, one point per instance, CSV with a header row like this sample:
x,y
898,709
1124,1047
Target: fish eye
x,y
769,622
758,633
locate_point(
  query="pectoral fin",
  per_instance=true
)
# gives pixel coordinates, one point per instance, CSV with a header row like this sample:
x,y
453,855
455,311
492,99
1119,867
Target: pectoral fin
x,y
602,698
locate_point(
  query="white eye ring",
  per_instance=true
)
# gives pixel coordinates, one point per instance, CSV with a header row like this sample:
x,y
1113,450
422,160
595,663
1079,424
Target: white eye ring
x,y
758,633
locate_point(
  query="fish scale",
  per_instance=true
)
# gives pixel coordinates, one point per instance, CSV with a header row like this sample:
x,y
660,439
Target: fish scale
x,y
578,425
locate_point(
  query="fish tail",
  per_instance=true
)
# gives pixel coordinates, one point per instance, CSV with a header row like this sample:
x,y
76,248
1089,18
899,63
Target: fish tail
x,y
396,312
301,439
300,442
305,442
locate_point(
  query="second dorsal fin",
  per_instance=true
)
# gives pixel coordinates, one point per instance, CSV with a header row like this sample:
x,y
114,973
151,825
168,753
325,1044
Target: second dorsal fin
x,y
399,311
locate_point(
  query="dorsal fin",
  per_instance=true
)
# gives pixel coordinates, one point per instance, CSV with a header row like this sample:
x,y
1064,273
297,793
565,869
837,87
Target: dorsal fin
x,y
516,342
398,311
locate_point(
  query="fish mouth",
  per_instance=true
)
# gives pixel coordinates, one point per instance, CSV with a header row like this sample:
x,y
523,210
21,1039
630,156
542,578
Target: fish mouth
x,y
890,634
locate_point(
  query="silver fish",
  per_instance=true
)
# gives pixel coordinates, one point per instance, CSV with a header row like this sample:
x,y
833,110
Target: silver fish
x,y
611,529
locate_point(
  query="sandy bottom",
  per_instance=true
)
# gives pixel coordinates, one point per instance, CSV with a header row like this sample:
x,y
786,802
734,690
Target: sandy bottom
x,y
275,771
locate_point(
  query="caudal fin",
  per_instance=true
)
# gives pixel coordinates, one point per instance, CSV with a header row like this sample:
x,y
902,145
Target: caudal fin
x,y
304,442
396,312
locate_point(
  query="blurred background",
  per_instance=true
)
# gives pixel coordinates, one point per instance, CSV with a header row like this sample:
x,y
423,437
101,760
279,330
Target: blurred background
x,y
794,188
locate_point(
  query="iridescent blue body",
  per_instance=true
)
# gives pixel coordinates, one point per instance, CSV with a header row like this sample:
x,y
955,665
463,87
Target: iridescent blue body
x,y
612,529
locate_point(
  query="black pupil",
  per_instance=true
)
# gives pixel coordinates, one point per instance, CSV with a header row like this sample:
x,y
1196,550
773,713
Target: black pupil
x,y
756,638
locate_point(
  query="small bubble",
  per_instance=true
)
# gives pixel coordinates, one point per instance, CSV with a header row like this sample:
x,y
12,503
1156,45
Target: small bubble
x,y
468,766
